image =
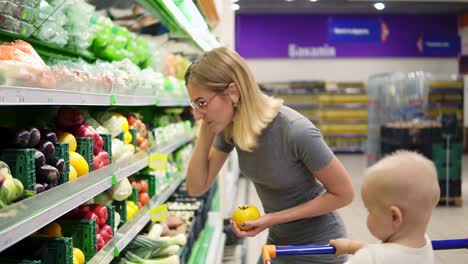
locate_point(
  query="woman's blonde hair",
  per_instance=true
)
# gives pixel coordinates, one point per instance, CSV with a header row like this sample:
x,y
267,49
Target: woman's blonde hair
x,y
216,69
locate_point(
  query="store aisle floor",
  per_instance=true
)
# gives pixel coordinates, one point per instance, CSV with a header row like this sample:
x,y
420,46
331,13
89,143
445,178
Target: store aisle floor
x,y
446,223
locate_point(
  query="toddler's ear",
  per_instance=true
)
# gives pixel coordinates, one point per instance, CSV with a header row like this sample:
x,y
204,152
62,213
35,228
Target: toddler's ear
x,y
397,216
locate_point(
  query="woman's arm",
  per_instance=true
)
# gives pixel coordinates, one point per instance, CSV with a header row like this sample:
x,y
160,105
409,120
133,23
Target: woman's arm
x,y
205,163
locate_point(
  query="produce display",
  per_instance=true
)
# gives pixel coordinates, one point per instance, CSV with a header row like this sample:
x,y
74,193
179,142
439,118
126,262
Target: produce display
x,y
11,189
20,65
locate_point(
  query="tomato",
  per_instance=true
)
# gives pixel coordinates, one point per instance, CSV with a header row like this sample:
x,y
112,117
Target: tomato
x,y
243,214
143,187
144,198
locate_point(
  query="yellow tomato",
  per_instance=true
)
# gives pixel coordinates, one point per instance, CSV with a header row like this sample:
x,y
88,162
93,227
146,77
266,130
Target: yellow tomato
x,y
243,214
78,255
79,164
72,175
68,138
128,137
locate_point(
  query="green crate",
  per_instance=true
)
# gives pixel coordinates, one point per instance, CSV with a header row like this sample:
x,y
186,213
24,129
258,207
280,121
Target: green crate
x,y
134,196
83,233
62,150
439,152
455,171
151,185
107,144
121,208
133,132
21,163
50,250
111,216
85,149
19,261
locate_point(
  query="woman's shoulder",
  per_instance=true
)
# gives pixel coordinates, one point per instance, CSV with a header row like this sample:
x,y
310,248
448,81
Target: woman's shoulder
x,y
292,118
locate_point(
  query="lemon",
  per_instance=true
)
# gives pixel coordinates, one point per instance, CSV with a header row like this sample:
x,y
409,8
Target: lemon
x,y
78,255
68,138
72,175
79,164
128,137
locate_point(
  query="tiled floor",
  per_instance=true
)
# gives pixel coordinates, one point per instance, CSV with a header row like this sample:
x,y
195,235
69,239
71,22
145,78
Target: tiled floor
x,y
446,223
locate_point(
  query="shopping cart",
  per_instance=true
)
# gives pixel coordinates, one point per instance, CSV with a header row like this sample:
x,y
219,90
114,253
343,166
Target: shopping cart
x,y
272,251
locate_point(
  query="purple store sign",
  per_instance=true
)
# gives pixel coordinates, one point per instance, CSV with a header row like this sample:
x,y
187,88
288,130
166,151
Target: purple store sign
x,y
346,36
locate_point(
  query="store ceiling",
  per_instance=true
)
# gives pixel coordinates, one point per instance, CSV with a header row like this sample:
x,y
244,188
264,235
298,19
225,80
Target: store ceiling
x,y
352,6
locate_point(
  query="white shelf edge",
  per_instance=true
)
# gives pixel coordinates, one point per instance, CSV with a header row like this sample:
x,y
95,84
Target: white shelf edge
x,y
13,95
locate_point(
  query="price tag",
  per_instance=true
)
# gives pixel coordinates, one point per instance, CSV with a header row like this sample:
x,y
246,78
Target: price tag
x,y
158,161
159,213
113,100
116,252
114,180
158,101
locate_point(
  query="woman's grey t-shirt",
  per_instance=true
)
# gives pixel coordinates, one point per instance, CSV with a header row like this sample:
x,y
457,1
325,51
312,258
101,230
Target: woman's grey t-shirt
x,y
281,167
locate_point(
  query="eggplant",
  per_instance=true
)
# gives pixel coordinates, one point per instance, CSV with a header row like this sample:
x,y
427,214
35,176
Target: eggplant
x,y
46,186
39,159
39,188
49,135
35,137
47,174
46,147
57,163
18,138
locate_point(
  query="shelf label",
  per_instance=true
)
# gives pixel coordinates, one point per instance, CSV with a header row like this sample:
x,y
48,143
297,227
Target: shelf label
x,y
113,100
158,101
159,213
114,180
158,161
116,252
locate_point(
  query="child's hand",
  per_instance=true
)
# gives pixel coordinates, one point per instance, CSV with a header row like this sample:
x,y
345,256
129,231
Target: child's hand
x,y
345,246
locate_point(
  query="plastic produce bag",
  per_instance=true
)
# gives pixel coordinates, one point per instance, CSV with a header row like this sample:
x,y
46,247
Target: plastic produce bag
x,y
21,65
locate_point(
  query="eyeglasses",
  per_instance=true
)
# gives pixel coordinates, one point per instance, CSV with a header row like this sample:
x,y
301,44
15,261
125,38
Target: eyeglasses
x,y
201,106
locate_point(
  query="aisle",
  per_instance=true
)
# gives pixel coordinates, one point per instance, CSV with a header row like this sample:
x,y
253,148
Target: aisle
x,y
446,223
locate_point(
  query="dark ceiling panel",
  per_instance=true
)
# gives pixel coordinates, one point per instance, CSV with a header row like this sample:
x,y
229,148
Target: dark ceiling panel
x,y
344,6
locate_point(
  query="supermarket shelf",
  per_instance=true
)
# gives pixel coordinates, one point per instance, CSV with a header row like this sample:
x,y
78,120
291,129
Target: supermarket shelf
x,y
445,90
304,106
25,217
222,244
296,91
347,150
132,228
171,147
345,135
342,121
349,90
445,105
344,106
12,95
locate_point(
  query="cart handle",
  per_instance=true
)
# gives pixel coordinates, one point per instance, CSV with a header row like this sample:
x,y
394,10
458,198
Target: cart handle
x,y
271,251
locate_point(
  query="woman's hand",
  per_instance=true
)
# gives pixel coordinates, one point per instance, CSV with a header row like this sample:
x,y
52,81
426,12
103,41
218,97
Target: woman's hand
x,y
258,226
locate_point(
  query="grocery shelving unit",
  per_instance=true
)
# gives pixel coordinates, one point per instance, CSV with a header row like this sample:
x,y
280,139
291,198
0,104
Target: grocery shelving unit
x,y
11,95
339,112
23,218
133,227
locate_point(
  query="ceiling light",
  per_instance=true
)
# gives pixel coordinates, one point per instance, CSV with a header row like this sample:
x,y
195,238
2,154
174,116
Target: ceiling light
x,y
235,7
379,6
313,0
234,1
290,0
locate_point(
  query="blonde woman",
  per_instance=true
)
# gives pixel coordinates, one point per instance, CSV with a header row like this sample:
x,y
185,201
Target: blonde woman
x,y
297,177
